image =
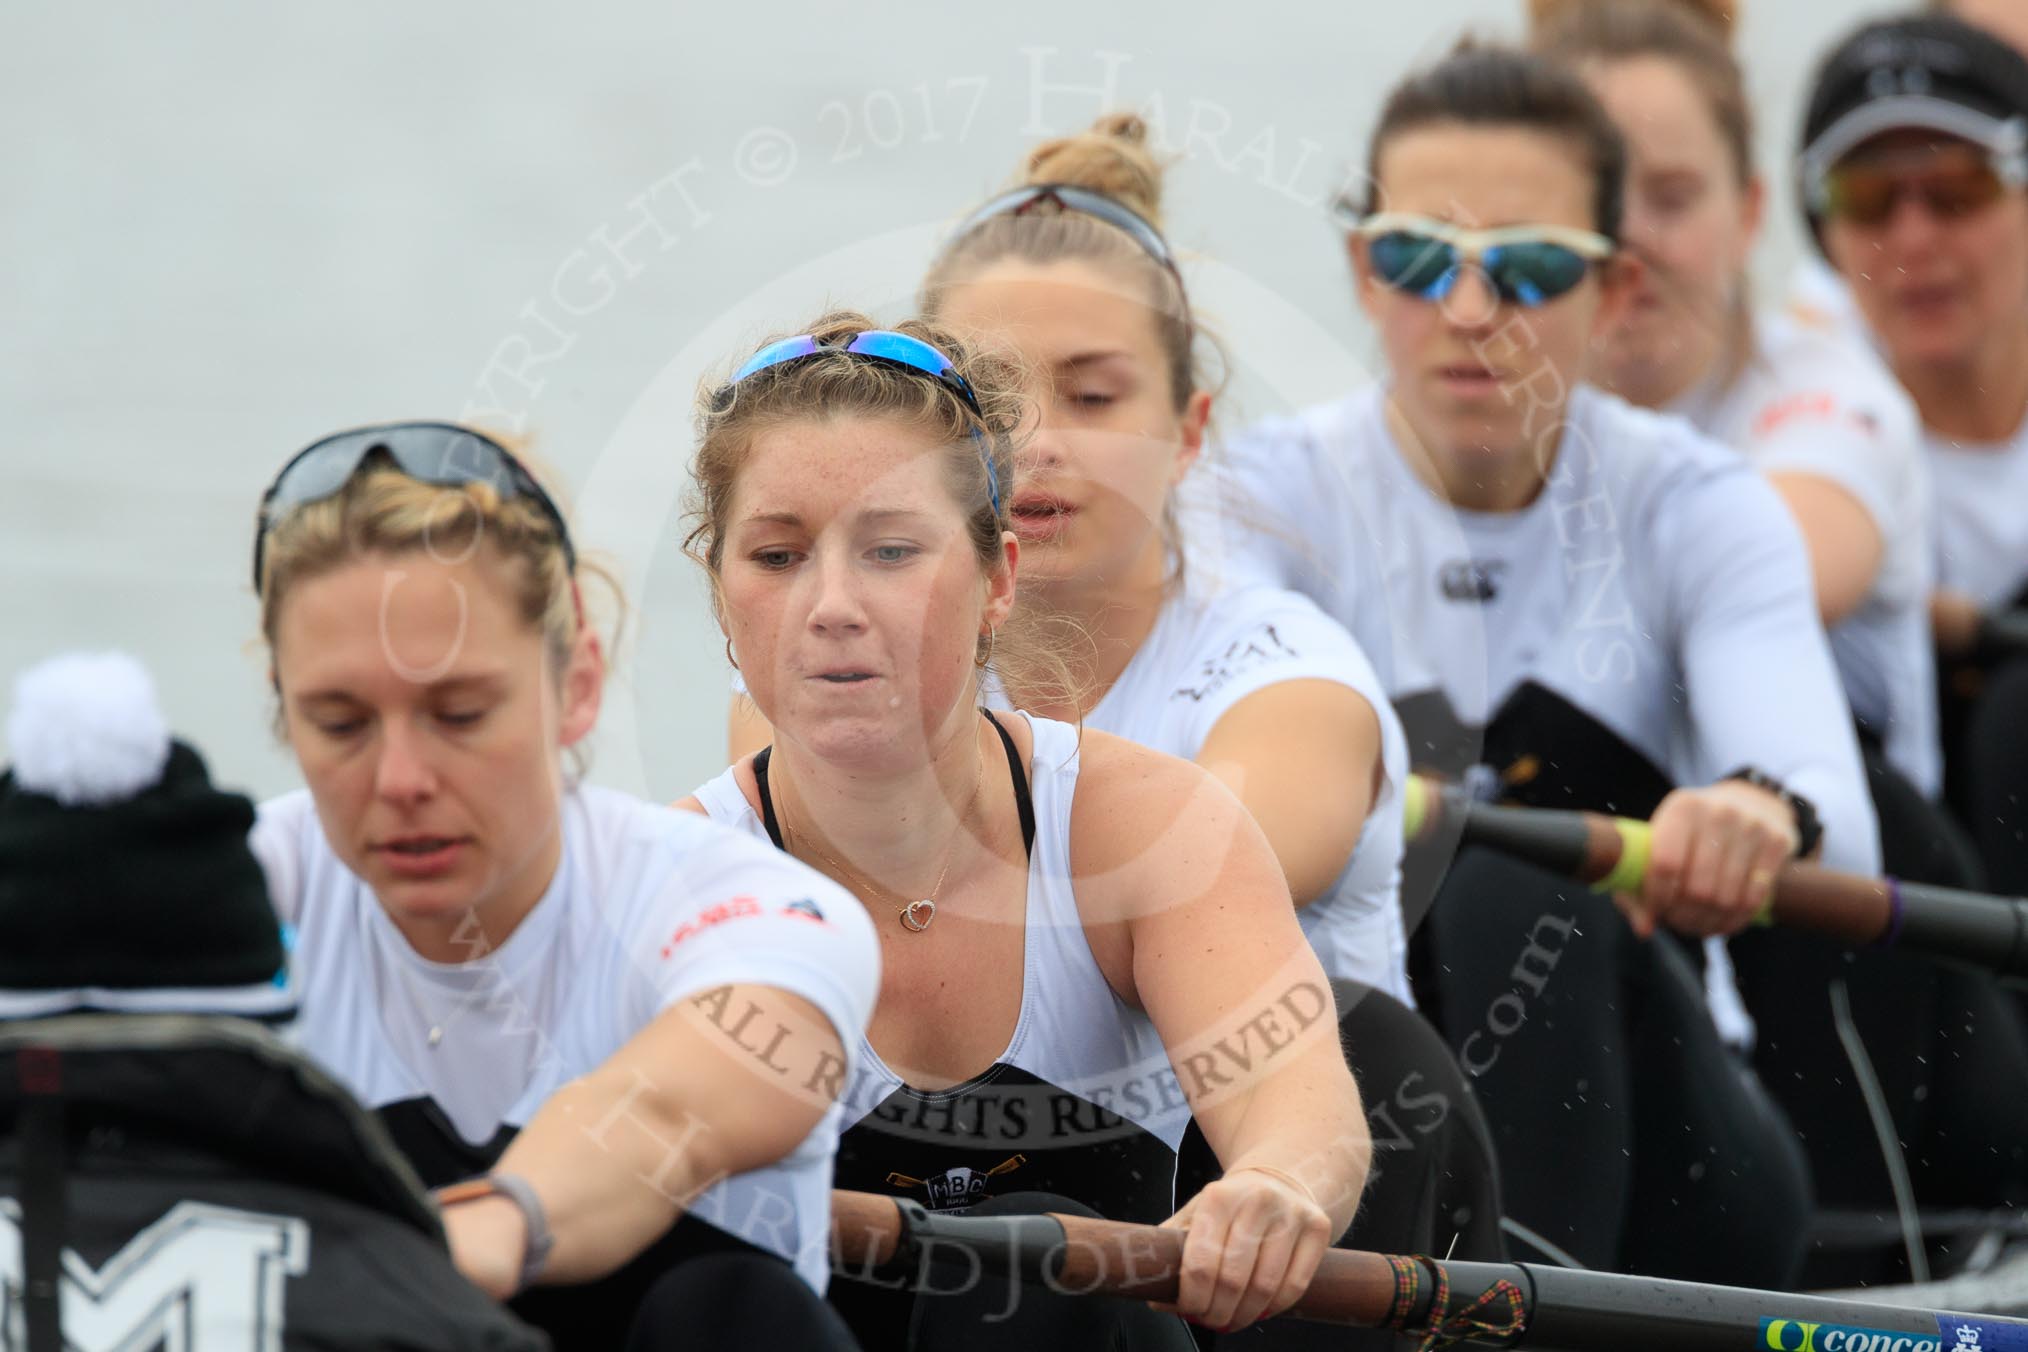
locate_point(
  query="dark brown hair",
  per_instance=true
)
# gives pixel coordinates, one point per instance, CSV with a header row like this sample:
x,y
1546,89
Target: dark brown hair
x,y
1481,85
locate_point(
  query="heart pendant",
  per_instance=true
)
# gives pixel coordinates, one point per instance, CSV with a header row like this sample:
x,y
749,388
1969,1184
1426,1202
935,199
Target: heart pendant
x,y
918,914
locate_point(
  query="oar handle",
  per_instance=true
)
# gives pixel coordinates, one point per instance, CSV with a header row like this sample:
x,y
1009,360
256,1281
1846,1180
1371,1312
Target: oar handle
x,y
1514,1303
1611,853
1083,1255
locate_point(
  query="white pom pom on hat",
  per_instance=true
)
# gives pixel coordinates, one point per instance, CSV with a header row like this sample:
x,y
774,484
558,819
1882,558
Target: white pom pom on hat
x,y
86,730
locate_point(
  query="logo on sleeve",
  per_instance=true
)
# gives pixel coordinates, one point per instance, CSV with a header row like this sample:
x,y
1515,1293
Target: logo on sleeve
x,y
739,908
1260,646
1814,406
807,909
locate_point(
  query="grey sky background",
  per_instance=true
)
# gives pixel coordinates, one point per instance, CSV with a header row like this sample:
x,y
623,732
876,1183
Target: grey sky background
x,y
236,227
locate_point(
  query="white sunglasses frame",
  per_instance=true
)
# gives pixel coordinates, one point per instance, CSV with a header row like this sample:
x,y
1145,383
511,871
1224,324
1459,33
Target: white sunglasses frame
x,y
1472,244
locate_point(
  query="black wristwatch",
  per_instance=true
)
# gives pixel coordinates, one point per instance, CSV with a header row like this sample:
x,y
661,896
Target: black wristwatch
x,y
1809,827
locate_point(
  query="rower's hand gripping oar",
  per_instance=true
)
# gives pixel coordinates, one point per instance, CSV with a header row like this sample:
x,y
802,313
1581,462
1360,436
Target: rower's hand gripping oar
x,y
1611,854
1440,1302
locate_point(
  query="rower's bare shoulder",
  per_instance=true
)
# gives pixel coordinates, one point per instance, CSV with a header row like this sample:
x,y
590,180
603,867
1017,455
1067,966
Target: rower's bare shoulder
x,y
1141,817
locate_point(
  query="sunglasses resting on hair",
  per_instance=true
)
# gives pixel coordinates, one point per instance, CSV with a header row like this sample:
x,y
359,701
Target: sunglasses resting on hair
x,y
1949,183
441,454
891,349
1525,265
1085,202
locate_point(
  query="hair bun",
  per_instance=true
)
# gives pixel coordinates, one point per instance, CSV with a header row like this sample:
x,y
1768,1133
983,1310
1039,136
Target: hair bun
x,y
1110,157
1722,15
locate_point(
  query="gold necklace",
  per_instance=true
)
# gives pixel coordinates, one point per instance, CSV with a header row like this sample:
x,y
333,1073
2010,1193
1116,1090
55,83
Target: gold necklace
x,y
914,915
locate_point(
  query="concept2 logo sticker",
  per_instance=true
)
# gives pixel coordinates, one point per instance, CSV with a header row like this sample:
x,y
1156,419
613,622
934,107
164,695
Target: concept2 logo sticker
x,y
1800,1335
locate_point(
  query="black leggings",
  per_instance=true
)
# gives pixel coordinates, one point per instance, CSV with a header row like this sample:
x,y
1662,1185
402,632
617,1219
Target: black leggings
x,y
733,1301
1944,1044
1434,1187
696,1287
1628,1135
1989,774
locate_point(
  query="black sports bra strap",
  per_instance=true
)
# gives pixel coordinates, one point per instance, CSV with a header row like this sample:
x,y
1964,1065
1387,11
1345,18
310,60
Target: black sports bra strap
x,y
760,781
1024,802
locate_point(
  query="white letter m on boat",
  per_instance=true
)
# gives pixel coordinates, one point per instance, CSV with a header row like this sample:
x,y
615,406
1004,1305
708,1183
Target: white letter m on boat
x,y
202,1277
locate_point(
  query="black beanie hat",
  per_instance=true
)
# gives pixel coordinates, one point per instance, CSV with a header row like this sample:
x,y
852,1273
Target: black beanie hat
x,y
126,883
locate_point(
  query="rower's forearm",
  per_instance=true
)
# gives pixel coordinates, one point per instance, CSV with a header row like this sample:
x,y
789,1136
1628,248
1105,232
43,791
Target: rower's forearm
x,y
615,1159
1320,1137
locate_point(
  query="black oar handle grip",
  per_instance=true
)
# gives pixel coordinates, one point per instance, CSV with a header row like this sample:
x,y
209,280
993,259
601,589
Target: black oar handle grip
x,y
1611,853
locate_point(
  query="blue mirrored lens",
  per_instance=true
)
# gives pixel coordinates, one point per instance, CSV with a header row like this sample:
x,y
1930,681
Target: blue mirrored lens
x,y
1413,263
1535,272
902,348
775,353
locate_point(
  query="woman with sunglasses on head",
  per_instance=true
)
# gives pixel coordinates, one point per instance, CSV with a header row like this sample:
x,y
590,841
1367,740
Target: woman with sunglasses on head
x,y
1252,682
1838,440
630,1025
1913,170
1070,923
1601,609
1255,684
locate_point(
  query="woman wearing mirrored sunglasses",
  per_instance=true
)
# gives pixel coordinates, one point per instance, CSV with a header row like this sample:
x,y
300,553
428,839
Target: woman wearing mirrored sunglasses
x,y
1921,204
1594,607
629,1024
1818,414
1070,922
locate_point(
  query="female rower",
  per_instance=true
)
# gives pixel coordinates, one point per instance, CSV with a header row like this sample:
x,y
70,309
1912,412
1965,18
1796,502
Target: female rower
x,y
1838,440
1601,608
632,1024
1918,202
1064,916
1254,683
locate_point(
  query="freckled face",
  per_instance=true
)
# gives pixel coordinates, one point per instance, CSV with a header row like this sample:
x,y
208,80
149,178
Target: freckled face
x,y
852,592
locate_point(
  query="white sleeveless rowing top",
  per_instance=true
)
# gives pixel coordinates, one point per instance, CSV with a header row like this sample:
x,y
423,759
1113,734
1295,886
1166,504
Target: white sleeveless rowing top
x,y
1810,403
649,906
1212,646
1083,1100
